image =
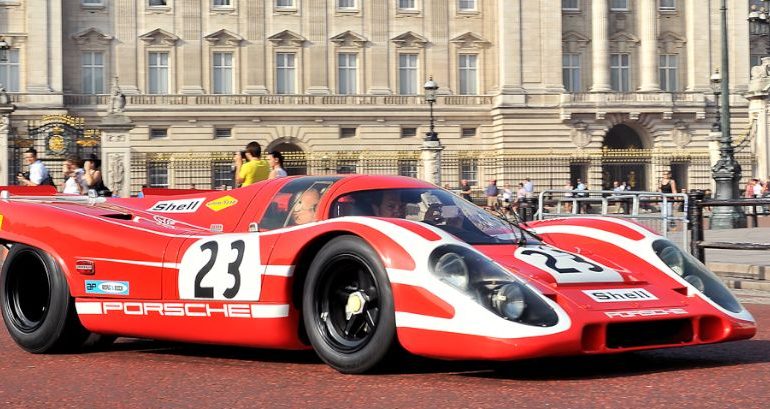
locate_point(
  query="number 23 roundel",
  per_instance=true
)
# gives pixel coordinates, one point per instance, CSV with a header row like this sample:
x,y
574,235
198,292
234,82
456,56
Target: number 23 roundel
x,y
225,267
567,267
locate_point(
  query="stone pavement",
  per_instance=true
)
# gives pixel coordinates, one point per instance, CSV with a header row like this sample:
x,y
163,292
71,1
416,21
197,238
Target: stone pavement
x,y
747,269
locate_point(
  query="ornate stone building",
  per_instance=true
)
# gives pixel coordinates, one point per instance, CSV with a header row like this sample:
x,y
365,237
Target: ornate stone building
x,y
549,89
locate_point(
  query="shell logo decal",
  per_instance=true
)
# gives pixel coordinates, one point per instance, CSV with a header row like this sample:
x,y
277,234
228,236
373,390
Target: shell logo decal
x,y
222,203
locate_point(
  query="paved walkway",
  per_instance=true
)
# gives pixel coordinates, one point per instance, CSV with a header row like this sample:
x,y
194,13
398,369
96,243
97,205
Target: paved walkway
x,y
747,269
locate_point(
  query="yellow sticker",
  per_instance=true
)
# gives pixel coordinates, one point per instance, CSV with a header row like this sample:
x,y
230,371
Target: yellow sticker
x,y
221,203
1,221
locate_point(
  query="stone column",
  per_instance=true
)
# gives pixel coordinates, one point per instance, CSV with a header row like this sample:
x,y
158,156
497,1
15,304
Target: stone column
x,y
510,63
126,48
430,156
600,47
648,16
116,153
759,92
5,130
192,47
377,80
699,36
317,73
253,18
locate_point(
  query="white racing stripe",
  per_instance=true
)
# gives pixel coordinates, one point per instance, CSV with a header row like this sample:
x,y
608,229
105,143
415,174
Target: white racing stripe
x,y
158,264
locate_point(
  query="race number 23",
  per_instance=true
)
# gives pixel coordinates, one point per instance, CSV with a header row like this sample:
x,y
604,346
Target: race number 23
x,y
566,267
223,268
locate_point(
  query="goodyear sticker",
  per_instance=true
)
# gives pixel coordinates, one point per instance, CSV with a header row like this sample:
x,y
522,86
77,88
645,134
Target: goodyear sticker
x,y
222,203
107,287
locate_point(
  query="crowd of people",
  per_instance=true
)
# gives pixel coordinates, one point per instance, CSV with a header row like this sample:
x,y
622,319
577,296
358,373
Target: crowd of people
x,y
250,168
80,176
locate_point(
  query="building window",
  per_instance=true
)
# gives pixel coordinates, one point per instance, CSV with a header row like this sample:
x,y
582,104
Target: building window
x,y
92,3
407,167
157,3
619,5
284,4
755,59
469,170
570,5
285,73
407,4
157,71
157,174
620,72
223,73
92,72
346,4
408,132
9,71
667,5
468,74
158,133
345,167
407,74
222,4
669,72
571,72
223,132
347,132
221,175
468,133
346,73
466,5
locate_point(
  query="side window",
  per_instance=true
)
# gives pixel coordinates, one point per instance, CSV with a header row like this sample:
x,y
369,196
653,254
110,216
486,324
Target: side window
x,y
296,203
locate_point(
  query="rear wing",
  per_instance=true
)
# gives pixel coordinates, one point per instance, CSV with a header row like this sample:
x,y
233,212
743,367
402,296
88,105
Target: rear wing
x,y
41,190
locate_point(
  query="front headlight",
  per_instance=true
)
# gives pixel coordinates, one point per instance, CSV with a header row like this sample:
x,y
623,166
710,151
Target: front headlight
x,y
696,274
490,285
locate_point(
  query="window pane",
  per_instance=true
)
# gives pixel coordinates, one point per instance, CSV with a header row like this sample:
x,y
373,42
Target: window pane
x,y
284,73
620,72
346,66
407,74
157,174
619,5
406,4
469,171
223,73
284,3
468,74
667,4
571,72
157,73
668,69
222,3
467,5
346,4
570,4
92,70
9,71
407,167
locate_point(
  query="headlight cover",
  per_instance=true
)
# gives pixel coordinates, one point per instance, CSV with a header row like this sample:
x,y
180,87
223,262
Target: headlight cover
x,y
695,273
490,285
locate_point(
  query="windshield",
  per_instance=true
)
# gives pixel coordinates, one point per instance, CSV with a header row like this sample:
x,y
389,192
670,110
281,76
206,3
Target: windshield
x,y
436,207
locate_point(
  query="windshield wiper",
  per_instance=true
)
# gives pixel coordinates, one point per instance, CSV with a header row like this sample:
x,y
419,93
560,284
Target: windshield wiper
x,y
518,226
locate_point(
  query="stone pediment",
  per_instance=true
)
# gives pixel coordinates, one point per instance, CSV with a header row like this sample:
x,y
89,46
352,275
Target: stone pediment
x,y
349,38
159,37
409,39
669,42
623,42
574,42
287,38
469,40
224,37
91,36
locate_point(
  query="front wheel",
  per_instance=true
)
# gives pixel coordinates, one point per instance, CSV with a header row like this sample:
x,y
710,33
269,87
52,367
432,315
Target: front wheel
x,y
347,306
36,303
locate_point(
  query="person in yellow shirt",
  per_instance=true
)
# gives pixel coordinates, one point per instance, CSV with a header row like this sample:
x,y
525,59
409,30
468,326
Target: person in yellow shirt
x,y
254,169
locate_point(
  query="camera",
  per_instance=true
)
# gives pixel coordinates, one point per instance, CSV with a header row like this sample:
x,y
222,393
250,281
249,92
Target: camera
x,y
243,155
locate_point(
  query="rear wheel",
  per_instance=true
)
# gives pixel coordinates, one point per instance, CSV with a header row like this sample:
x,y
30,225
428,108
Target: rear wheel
x,y
36,303
348,306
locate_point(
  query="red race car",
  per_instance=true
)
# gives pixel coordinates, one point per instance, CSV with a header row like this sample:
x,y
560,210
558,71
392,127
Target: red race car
x,y
349,266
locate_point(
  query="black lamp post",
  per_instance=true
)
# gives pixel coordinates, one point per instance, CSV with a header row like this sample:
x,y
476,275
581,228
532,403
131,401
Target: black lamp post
x,y
716,86
4,47
727,171
430,88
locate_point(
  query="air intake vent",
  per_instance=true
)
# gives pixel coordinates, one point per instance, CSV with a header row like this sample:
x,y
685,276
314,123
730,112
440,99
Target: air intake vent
x,y
649,333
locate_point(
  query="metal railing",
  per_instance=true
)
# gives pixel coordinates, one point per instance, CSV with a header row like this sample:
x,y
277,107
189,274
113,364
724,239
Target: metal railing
x,y
662,212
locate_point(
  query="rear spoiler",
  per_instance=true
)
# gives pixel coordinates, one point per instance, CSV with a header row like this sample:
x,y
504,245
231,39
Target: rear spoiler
x,y
41,190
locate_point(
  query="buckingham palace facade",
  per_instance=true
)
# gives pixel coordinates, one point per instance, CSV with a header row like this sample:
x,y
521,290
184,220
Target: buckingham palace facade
x,y
547,89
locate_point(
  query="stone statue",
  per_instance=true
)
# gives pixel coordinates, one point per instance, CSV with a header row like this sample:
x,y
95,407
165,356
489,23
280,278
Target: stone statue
x,y
760,76
117,99
4,98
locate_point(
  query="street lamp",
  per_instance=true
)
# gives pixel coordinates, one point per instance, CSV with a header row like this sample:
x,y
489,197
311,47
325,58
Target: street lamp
x,y
727,171
4,47
430,88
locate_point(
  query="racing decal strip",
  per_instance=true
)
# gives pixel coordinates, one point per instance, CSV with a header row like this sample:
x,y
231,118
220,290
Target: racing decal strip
x,y
182,309
279,271
157,264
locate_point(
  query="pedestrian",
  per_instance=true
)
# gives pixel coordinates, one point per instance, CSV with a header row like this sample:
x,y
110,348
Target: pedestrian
x,y
74,179
529,187
275,160
465,190
491,193
92,172
668,186
38,174
249,166
568,196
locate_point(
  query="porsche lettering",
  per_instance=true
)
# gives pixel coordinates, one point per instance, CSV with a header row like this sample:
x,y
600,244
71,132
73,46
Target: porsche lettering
x,y
182,309
646,313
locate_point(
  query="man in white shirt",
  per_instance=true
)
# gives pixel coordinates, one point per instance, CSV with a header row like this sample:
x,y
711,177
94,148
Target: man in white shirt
x,y
38,173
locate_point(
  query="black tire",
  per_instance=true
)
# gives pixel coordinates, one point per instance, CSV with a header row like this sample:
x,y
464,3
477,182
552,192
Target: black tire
x,y
346,267
36,303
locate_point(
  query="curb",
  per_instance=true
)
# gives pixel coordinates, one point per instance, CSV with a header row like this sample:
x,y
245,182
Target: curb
x,y
741,284
742,271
